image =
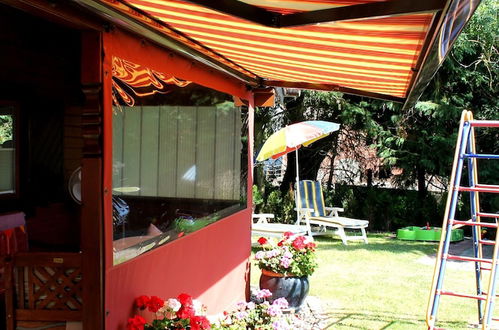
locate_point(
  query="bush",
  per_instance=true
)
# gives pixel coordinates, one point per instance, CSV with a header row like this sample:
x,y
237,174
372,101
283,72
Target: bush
x,y
386,209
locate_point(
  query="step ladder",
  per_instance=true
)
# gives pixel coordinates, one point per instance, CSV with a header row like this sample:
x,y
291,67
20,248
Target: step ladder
x,y
466,155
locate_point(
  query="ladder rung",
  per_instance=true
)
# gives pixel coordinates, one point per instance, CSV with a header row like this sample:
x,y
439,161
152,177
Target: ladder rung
x,y
481,156
481,188
484,123
463,295
487,215
474,223
461,258
487,242
485,294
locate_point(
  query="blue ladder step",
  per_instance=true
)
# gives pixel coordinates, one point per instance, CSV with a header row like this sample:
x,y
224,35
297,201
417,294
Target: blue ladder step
x,y
481,156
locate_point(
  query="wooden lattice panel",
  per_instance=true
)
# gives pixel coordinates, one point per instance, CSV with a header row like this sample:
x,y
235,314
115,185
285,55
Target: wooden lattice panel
x,y
47,286
52,288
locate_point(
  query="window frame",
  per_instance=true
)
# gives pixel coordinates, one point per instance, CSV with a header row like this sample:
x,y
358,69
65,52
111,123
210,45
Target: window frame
x,y
16,127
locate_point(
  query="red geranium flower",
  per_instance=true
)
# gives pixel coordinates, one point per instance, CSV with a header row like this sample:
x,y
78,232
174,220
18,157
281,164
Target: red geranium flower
x,y
262,240
311,245
154,304
299,243
141,302
136,323
186,312
288,234
199,323
185,299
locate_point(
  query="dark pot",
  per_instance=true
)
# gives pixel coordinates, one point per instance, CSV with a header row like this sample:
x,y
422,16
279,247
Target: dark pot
x,y
294,289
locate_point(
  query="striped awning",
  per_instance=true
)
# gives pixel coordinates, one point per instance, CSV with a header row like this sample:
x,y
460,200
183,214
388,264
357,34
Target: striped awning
x,y
374,48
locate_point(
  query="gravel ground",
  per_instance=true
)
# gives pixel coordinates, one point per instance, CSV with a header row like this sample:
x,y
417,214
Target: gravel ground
x,y
311,316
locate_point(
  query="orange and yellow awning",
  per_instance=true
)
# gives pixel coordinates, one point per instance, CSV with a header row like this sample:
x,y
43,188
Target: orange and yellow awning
x,y
291,43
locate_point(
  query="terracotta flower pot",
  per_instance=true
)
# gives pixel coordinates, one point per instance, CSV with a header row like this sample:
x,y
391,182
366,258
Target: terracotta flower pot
x,y
293,288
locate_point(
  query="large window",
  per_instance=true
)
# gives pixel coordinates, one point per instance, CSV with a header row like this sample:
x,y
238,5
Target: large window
x,y
7,149
179,162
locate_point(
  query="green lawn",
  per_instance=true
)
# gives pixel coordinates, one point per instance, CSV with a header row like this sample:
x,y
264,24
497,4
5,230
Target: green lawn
x,y
385,285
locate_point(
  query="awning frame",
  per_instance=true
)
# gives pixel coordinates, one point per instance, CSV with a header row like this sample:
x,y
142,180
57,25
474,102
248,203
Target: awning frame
x,y
268,18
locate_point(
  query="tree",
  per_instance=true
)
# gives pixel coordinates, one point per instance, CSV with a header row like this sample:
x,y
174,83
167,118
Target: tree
x,y
421,140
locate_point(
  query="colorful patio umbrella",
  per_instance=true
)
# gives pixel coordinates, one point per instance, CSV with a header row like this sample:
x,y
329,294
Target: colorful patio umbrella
x,y
292,137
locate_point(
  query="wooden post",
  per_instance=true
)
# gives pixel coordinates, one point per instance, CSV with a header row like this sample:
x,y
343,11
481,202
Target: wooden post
x,y
92,237
9,294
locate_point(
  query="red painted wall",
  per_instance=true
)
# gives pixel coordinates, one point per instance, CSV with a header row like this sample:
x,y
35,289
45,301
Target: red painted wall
x,y
210,264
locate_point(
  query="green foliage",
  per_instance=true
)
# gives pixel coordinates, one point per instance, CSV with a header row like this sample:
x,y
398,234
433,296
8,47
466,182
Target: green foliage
x,y
6,128
274,202
387,209
257,198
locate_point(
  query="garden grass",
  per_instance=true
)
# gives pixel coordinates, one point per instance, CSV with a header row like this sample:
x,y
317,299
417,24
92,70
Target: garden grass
x,y
385,285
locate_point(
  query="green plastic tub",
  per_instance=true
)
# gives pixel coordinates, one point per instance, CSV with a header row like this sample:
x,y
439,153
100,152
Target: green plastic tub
x,y
414,233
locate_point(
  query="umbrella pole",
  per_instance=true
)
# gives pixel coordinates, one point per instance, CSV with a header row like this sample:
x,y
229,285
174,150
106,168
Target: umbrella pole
x,y
297,197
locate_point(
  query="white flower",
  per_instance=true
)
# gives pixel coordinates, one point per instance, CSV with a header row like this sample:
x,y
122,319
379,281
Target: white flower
x,y
173,304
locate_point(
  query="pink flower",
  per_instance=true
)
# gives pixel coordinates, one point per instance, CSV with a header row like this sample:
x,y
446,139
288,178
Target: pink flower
x,y
281,303
274,311
288,234
259,255
285,262
299,243
241,315
262,294
241,305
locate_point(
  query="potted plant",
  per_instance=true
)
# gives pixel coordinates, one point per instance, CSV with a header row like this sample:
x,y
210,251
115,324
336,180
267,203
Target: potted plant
x,y
180,313
258,314
286,265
